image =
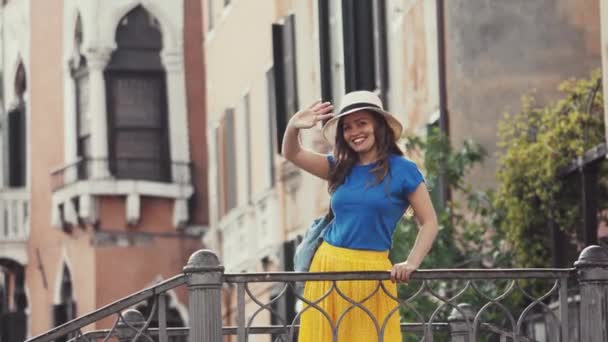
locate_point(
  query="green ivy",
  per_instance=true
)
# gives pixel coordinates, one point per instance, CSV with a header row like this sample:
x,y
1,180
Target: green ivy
x,y
466,236
536,144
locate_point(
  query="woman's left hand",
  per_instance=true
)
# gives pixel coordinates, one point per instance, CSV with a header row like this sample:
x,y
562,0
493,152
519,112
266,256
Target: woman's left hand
x,y
402,272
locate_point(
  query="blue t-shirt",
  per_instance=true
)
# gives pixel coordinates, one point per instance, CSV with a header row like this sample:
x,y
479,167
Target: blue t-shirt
x,y
367,214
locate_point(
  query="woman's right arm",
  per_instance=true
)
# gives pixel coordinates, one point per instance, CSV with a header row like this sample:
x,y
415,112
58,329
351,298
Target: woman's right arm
x,y
307,160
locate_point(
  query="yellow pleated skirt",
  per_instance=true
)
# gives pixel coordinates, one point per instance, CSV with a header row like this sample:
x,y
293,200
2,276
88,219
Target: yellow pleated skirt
x,y
349,323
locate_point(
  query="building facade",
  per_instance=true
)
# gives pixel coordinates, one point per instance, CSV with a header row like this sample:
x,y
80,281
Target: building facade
x,y
455,65
261,69
137,126
103,152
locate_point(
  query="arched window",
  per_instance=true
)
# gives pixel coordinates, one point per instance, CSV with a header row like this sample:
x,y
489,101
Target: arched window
x,y
80,75
173,317
13,301
16,133
137,101
65,311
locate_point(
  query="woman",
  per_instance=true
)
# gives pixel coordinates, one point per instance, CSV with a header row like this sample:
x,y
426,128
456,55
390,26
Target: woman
x,y
371,185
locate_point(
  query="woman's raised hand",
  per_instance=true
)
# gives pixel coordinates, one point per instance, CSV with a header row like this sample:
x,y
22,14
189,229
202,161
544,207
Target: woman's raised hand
x,y
308,117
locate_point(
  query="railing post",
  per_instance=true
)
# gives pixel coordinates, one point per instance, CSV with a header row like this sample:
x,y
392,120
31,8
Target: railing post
x,y
204,276
461,323
132,320
592,269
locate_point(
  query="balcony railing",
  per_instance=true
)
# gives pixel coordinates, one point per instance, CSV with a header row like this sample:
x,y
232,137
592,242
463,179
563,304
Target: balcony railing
x,y
249,230
145,169
442,305
14,215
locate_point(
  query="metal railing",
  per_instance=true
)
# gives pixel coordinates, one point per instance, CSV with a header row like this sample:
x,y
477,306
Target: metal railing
x,y
438,305
450,315
14,215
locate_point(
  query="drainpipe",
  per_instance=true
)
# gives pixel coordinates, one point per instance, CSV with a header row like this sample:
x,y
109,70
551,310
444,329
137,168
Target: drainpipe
x,y
2,71
325,51
3,140
444,191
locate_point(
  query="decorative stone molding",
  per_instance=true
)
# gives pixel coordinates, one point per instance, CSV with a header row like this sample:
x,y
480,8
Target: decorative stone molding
x,y
70,215
250,230
180,213
100,20
88,209
291,176
133,209
132,190
169,15
173,61
97,60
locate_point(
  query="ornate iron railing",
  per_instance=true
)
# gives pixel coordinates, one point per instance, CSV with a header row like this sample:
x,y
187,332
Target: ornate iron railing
x,y
437,305
451,312
128,324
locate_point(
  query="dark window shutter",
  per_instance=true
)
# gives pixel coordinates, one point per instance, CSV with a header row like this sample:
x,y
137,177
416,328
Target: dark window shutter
x,y
13,326
16,147
358,31
246,115
139,142
270,84
83,132
380,50
82,105
63,313
289,60
285,78
219,162
325,50
279,82
230,153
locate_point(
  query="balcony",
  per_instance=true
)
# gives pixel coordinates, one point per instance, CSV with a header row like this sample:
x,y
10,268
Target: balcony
x,y
85,180
248,231
14,224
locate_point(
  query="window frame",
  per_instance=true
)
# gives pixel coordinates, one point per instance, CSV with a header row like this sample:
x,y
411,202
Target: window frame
x,y
164,159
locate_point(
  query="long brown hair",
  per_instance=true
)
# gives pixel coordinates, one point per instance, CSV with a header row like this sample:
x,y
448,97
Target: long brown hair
x,y
345,157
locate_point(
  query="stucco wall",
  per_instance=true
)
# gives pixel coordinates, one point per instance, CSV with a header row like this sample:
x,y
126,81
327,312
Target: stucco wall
x,y
499,50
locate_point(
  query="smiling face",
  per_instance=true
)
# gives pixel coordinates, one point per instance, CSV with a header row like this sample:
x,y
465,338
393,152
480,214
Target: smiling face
x,y
358,132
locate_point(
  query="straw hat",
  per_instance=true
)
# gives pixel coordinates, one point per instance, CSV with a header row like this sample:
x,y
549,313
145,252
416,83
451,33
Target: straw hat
x,y
354,102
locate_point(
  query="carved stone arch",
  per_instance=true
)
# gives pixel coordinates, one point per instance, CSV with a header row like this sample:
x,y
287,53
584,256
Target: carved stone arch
x,y
63,264
65,310
167,27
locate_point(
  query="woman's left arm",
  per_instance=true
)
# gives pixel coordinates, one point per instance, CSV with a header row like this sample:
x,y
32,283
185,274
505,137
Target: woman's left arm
x,y
420,200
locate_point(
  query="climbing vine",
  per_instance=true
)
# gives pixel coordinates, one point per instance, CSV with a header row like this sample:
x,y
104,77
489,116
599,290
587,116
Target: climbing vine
x,y
537,143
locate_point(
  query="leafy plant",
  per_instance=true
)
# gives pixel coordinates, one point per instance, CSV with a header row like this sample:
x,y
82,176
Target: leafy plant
x,y
466,236
537,143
